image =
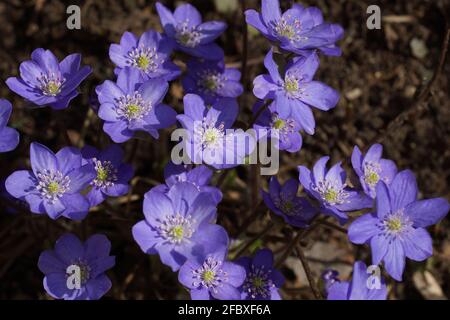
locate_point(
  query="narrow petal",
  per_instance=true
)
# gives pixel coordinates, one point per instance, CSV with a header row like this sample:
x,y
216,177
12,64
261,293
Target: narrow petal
x,y
425,213
374,153
379,245
403,190
270,10
68,248
69,158
383,200
357,161
253,18
81,177
363,229
319,95
9,139
272,67
417,244
211,30
77,206
394,260
42,158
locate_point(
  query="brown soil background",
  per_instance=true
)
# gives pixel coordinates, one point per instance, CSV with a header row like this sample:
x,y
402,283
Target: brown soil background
x,y
378,76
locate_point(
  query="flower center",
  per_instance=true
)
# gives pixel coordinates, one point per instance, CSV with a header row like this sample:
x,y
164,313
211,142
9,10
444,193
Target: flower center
x,y
187,36
133,107
211,135
258,282
372,173
208,135
210,274
106,174
210,80
395,223
51,84
279,124
331,192
84,271
284,126
288,28
176,228
52,185
144,58
291,85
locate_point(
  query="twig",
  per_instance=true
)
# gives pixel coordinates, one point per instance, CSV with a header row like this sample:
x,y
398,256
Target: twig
x,y
250,219
422,97
332,226
223,176
309,275
255,238
290,247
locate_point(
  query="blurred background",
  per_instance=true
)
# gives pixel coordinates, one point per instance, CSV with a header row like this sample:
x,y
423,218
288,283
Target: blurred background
x,y
378,77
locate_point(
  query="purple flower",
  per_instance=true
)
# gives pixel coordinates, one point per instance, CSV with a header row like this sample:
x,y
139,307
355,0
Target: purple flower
x,y
211,80
9,137
189,34
330,189
131,104
284,202
299,30
361,287
76,271
212,277
209,140
112,175
11,204
397,230
199,177
150,54
263,280
284,131
295,91
45,81
178,225
371,168
55,184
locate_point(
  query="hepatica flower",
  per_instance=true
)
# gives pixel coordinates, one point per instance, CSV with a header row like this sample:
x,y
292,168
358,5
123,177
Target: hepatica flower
x,y
149,54
263,280
45,81
76,270
284,132
330,189
363,286
371,168
211,80
54,184
210,276
112,175
397,229
210,138
295,91
9,137
284,202
199,177
184,26
178,225
299,29
131,104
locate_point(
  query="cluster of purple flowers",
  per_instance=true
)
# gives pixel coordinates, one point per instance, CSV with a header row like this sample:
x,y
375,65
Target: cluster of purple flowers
x,y
393,223
180,215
